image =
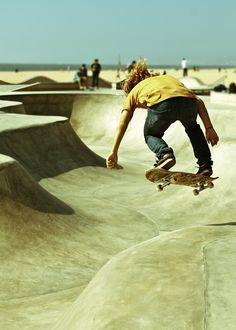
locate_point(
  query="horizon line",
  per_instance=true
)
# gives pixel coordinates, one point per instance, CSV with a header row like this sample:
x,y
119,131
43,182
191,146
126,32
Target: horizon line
x,y
117,65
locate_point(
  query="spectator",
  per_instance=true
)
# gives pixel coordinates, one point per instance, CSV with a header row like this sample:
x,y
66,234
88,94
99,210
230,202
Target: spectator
x,y
131,66
76,78
96,69
232,88
184,67
83,76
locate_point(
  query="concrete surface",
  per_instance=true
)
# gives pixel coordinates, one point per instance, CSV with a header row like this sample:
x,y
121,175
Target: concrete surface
x,y
43,83
83,247
223,98
198,87
11,106
168,282
6,88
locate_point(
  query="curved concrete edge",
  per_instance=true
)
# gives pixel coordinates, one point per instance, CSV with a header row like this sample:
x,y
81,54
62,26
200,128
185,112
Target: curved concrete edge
x,y
12,107
45,146
38,79
6,88
18,185
107,108
45,82
44,103
56,103
47,257
154,285
196,85
193,82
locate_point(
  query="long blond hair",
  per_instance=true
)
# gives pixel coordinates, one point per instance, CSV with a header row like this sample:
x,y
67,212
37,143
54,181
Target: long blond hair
x,y
137,74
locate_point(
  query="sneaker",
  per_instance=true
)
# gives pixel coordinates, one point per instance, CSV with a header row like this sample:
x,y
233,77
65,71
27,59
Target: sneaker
x,y
205,169
166,162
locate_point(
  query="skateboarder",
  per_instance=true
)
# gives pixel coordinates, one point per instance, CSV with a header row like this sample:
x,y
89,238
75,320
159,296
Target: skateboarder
x,y
166,100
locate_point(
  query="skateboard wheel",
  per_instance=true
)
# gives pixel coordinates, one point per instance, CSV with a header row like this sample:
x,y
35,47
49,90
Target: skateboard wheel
x,y
210,185
159,187
195,192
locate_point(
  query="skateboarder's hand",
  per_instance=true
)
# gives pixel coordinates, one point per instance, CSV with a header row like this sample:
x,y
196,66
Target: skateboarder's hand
x,y
212,136
112,160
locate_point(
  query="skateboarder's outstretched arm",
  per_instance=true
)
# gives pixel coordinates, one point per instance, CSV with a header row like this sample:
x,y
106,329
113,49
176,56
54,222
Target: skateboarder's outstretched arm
x,y
211,134
112,158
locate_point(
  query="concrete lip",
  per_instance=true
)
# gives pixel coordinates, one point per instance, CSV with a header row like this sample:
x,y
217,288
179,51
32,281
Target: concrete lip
x,y
7,88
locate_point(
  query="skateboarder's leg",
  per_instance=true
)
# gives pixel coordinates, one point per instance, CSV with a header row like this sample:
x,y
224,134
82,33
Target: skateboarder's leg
x,y
199,144
198,141
157,122
188,117
155,126
158,146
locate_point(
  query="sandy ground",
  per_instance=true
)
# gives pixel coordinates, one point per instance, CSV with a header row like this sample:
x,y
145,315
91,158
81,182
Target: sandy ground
x,y
207,76
87,248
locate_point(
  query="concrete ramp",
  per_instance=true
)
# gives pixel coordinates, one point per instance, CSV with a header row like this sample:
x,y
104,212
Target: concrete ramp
x,y
94,118
196,85
149,286
7,88
45,146
48,258
18,185
98,249
11,107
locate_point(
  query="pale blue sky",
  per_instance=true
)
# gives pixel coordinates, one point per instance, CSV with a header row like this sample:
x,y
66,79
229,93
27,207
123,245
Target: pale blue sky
x,y
76,31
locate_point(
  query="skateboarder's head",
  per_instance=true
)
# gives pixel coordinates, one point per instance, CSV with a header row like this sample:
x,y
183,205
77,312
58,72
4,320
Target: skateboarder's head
x,y
138,73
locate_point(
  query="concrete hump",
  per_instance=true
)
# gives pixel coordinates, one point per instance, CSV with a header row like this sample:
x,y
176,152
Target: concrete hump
x,y
40,79
17,184
45,146
170,282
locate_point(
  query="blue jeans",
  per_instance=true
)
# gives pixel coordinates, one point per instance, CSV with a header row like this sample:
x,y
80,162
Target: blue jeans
x,y
161,116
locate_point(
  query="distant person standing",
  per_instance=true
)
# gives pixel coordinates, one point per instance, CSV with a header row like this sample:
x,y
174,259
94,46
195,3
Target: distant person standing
x,y
83,75
76,78
131,66
96,69
184,67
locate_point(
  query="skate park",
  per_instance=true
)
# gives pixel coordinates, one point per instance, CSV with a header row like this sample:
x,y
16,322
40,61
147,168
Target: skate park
x,y
84,247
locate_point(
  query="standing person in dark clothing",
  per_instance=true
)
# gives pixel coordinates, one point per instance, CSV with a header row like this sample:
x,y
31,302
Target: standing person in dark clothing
x,y
131,66
83,76
95,68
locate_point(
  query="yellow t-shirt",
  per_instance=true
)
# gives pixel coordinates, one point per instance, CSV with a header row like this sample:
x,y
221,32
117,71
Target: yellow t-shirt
x,y
154,90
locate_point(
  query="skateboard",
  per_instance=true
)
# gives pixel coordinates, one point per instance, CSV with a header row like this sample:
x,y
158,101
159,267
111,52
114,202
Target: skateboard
x,y
165,178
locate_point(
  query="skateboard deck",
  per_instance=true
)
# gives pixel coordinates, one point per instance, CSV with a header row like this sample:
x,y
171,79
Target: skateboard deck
x,y
164,178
